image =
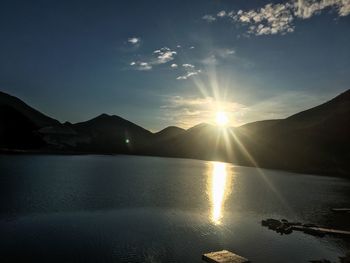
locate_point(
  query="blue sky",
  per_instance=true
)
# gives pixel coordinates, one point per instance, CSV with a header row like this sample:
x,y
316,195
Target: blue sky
x,y
160,63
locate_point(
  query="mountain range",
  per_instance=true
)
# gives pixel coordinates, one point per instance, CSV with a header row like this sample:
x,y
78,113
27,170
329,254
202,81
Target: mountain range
x,y
312,141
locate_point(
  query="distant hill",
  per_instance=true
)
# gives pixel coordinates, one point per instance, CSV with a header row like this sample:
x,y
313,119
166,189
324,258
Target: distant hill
x,y
313,141
19,124
37,118
169,133
112,134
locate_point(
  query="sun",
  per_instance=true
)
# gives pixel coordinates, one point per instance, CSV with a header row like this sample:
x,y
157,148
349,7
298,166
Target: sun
x,y
221,118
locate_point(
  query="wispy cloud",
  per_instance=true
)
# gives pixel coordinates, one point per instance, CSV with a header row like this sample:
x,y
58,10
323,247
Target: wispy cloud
x,y
222,13
187,112
134,40
279,18
209,18
188,65
211,60
189,74
165,55
141,65
158,57
282,106
190,70
217,54
162,56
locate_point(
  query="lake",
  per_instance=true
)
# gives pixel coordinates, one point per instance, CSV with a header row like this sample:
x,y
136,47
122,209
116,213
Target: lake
x,y
92,208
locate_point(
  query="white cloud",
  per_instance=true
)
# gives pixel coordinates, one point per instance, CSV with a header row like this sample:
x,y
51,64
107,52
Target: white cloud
x,y
307,8
134,40
188,65
268,20
191,47
189,71
209,18
279,18
222,13
164,55
159,56
174,65
189,74
344,9
141,65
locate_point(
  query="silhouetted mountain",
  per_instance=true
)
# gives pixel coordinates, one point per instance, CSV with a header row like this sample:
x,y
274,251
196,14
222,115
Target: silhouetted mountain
x,y
112,134
39,119
169,133
314,141
19,124
203,141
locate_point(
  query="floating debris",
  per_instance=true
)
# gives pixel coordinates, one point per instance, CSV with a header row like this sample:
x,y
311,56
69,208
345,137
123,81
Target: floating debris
x,y
282,227
223,256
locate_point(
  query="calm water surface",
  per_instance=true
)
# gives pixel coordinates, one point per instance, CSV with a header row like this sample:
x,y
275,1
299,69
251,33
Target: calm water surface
x,y
146,209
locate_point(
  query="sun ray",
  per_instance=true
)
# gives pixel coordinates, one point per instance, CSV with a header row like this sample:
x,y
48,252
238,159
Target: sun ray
x,y
255,164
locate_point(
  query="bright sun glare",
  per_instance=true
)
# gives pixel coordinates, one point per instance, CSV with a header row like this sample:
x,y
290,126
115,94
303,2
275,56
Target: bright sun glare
x,y
221,118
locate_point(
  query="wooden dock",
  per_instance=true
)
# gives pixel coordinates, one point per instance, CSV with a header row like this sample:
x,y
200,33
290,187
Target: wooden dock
x,y
322,230
284,227
341,210
223,256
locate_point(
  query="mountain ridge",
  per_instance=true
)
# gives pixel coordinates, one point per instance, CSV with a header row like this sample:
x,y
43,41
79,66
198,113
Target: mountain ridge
x,y
312,141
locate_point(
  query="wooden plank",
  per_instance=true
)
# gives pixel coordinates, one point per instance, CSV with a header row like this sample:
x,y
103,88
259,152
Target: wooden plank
x,y
322,230
223,256
341,210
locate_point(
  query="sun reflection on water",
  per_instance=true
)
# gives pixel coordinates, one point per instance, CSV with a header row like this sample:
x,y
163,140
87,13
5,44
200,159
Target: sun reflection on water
x,y
219,188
